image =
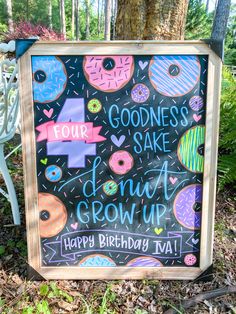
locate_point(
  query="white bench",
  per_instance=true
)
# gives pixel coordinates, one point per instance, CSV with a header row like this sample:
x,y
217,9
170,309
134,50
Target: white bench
x,y
9,122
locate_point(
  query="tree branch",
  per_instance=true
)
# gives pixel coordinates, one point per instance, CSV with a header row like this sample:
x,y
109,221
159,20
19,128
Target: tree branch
x,y
202,297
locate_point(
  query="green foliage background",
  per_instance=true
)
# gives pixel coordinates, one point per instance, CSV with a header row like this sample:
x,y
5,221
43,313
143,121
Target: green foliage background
x,y
227,141
36,12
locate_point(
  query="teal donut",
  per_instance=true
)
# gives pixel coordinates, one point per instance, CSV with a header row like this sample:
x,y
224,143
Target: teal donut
x,y
110,187
49,78
97,260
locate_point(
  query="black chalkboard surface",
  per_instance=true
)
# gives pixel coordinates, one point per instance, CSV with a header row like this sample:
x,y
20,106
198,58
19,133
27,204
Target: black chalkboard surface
x,y
119,142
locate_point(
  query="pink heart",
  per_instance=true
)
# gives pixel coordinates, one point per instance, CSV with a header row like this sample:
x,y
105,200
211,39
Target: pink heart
x,y
74,226
173,180
48,113
196,117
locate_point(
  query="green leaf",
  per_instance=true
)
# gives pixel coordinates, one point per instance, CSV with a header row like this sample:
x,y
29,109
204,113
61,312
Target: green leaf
x,y
2,302
28,310
55,289
43,308
44,289
138,311
65,295
51,295
2,249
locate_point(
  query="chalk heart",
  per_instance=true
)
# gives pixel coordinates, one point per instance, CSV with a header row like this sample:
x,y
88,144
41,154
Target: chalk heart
x,y
44,161
116,141
143,64
173,180
158,230
197,117
74,226
48,113
195,241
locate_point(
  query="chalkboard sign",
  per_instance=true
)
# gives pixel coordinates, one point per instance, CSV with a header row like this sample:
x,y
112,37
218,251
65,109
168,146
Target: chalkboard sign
x,y
120,145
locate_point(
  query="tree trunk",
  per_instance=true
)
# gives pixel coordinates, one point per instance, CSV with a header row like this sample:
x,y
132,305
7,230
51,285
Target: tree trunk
x,y
77,33
102,16
72,19
63,18
27,10
108,20
149,19
207,6
59,6
9,16
221,19
87,33
50,13
131,19
114,14
99,24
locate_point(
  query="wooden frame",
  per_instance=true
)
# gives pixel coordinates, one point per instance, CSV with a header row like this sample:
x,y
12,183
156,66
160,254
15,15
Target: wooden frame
x,y
210,162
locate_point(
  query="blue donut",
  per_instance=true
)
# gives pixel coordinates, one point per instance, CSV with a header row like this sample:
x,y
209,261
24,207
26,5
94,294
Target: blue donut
x,y
174,76
97,260
53,173
49,78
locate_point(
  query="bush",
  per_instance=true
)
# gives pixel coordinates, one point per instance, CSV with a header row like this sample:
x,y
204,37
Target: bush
x,y
227,140
26,30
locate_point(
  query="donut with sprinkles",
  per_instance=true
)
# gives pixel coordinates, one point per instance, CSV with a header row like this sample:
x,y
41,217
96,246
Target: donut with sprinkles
x,y
108,73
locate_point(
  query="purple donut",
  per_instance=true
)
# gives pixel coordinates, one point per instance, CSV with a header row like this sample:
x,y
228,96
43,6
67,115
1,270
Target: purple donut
x,y
144,261
185,206
196,103
140,93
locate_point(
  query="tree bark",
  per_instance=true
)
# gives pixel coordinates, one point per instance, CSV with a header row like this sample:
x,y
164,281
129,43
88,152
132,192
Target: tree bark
x,y
149,19
72,19
77,32
50,13
87,33
102,16
59,6
221,19
9,15
99,25
108,20
63,18
114,14
27,10
131,19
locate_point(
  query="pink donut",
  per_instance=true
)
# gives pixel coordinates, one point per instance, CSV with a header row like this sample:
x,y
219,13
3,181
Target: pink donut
x,y
108,73
121,162
190,260
144,261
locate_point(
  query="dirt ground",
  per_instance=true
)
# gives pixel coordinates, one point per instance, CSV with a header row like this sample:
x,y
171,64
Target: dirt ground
x,y
20,295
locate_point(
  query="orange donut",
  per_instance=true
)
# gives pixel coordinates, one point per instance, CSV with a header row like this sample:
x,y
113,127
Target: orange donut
x,y
52,213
